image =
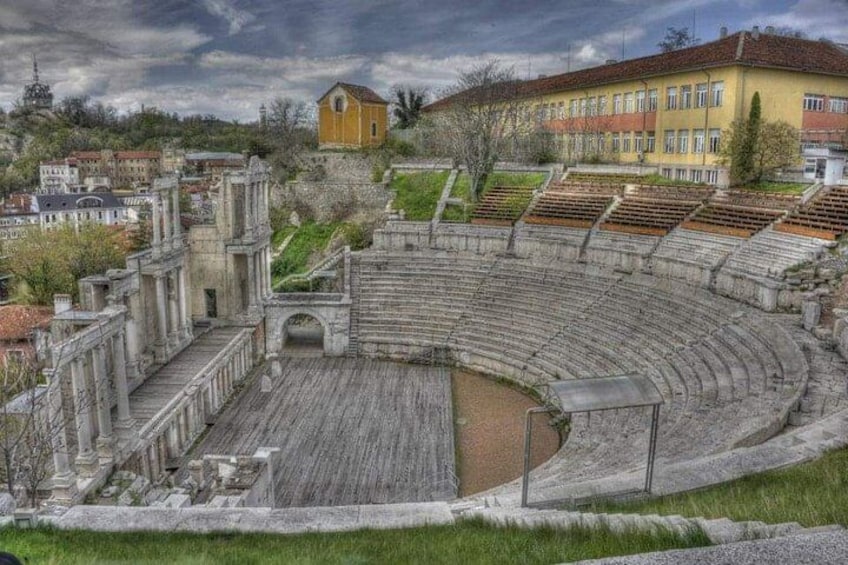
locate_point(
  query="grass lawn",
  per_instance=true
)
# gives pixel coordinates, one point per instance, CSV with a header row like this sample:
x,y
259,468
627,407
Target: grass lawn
x,y
812,494
468,543
308,238
280,236
779,187
418,193
462,186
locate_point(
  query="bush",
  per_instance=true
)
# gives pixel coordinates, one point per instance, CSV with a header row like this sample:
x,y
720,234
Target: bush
x,y
358,236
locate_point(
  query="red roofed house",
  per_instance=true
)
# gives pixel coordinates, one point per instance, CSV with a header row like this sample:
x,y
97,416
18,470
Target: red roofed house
x,y
353,116
23,331
669,110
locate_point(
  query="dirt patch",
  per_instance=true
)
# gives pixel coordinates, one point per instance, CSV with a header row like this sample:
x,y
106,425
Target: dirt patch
x,y
489,421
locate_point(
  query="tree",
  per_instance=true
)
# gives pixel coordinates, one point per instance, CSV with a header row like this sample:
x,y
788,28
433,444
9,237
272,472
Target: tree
x,y
484,117
51,262
290,132
755,148
676,38
407,103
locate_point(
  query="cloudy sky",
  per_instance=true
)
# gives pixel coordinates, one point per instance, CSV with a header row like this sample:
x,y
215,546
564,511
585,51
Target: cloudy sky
x,y
228,56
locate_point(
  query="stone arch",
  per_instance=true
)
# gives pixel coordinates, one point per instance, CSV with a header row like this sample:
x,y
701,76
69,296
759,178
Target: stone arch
x,y
293,337
334,318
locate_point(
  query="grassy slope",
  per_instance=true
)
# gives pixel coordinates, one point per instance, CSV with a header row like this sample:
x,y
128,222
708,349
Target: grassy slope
x,y
779,187
468,542
462,186
418,193
310,237
813,494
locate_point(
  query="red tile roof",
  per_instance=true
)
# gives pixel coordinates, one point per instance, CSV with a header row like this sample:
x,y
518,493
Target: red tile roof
x,y
361,93
741,48
17,322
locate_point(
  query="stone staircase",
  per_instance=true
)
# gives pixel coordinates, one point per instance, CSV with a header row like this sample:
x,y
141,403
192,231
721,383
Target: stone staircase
x,y
352,349
719,531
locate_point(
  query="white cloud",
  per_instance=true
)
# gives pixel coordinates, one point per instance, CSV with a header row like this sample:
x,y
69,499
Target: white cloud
x,y
235,17
816,18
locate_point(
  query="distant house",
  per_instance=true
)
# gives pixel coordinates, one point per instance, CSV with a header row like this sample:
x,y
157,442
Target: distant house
x,y
100,207
23,332
125,169
350,115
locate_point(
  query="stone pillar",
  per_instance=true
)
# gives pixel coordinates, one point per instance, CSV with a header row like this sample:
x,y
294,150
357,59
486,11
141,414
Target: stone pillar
x,y
173,304
161,314
268,268
166,217
157,225
64,483
251,285
257,283
184,315
175,223
173,440
86,460
105,441
125,421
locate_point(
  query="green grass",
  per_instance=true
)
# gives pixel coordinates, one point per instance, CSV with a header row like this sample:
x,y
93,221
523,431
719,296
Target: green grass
x,y
418,193
779,187
454,213
280,236
462,188
812,494
308,238
469,542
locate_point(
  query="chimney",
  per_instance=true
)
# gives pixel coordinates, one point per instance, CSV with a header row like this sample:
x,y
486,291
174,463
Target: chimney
x,y
722,32
61,303
542,76
769,30
611,61
755,33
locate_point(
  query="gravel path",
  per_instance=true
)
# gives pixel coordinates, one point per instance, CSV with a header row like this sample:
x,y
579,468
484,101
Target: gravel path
x,y
490,432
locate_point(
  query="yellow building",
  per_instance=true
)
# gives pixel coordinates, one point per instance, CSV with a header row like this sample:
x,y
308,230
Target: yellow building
x,y
669,110
351,116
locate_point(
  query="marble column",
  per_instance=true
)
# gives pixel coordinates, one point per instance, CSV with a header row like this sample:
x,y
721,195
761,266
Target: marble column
x,y
157,224
251,282
184,316
86,460
125,421
173,306
64,483
132,352
166,217
175,223
105,441
161,313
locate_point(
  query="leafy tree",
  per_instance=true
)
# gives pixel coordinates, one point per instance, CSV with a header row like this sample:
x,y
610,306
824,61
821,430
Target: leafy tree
x,y
676,38
52,261
407,103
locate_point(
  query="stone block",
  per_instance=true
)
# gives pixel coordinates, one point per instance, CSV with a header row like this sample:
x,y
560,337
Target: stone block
x,y
810,314
7,504
177,501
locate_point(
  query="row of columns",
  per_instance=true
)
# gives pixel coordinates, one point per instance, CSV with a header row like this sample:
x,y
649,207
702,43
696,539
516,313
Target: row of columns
x,y
172,315
91,388
256,203
259,276
189,419
166,218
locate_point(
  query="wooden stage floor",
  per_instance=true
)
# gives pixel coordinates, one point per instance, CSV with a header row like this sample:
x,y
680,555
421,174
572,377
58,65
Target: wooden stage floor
x,y
351,431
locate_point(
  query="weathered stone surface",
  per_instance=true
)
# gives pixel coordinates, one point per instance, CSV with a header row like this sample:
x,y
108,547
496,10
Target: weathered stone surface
x,y
810,314
7,504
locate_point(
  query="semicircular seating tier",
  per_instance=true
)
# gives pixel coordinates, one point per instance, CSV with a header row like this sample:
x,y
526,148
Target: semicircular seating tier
x,y
728,375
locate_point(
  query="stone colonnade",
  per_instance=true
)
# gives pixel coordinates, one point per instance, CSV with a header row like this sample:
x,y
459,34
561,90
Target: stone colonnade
x,y
259,275
165,438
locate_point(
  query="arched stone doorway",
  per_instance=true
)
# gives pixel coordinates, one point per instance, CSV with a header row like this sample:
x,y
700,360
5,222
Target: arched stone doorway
x,y
303,334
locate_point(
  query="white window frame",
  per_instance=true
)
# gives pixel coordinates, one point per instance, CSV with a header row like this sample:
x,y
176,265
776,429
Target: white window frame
x,y
701,95
714,136
838,105
683,141
628,102
671,98
640,101
668,141
652,100
717,93
698,137
616,104
813,102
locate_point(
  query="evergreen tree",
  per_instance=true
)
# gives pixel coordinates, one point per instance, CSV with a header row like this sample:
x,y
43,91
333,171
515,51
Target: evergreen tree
x,y
742,160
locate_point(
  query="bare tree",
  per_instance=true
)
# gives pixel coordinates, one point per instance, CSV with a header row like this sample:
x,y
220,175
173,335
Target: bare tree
x,y
290,130
484,117
677,38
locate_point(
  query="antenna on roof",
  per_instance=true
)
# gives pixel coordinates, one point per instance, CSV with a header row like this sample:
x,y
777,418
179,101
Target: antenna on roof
x,y
34,69
623,36
692,36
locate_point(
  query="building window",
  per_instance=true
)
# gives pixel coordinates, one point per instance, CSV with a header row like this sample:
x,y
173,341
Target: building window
x,y
593,106
698,141
683,141
680,174
602,143
715,140
625,142
666,173
814,102
602,105
668,144
671,98
561,110
638,142
616,142
616,103
695,175
373,129
652,100
701,95
712,177
628,102
338,103
640,100
839,105
572,112
717,92
650,143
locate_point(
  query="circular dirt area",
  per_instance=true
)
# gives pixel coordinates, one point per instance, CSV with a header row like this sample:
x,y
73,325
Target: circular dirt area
x,y
489,421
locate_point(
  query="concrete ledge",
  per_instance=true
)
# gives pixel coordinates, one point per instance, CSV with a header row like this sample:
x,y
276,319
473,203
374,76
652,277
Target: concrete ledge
x,y
268,520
